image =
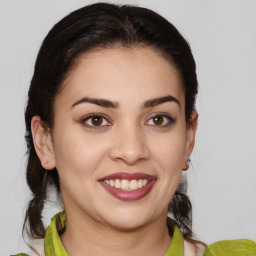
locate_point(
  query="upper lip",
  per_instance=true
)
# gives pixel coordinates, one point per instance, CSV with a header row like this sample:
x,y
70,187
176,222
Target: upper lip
x,y
128,176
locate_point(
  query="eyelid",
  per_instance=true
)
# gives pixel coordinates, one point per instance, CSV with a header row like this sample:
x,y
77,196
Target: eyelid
x,y
87,117
171,120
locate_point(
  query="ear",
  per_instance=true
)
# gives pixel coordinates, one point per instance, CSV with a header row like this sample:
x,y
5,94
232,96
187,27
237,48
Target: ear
x,y
191,134
43,143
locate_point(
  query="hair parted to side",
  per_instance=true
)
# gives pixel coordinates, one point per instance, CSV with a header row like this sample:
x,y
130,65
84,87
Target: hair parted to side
x,y
99,25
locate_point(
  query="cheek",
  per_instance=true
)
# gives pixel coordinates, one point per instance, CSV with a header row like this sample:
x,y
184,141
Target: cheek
x,y
168,154
77,157
169,151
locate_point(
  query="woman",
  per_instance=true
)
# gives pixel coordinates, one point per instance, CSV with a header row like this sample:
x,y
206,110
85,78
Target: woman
x,y
111,123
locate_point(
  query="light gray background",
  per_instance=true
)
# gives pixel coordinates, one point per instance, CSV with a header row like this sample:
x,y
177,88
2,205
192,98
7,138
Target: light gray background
x,y
222,35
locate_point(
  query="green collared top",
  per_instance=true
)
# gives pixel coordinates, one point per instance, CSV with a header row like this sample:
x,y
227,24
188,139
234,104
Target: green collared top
x,y
241,247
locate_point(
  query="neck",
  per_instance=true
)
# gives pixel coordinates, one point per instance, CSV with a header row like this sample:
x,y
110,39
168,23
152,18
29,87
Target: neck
x,y
85,236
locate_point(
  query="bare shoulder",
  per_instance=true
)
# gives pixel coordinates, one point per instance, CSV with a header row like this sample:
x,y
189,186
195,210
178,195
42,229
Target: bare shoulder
x,y
193,248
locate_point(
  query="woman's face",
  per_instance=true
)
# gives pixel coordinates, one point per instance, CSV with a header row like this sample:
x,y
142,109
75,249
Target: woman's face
x,y
120,139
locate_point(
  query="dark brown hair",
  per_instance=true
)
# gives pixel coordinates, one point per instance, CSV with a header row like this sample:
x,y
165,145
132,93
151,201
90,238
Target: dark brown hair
x,y
102,26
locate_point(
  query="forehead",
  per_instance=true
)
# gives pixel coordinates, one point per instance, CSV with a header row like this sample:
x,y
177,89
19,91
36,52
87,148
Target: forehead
x,y
118,73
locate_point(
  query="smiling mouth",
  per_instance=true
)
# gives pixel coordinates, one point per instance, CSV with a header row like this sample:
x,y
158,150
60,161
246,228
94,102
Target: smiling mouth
x,y
127,185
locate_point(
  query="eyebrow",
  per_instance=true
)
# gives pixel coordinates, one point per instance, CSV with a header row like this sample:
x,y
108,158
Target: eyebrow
x,y
100,102
157,101
111,104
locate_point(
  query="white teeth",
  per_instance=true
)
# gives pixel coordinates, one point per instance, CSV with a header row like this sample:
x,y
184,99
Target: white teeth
x,y
127,184
117,183
140,184
133,185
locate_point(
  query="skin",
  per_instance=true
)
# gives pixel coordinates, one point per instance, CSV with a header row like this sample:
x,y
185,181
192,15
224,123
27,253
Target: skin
x,y
128,140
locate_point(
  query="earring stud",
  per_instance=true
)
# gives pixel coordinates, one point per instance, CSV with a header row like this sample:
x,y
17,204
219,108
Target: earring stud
x,y
186,165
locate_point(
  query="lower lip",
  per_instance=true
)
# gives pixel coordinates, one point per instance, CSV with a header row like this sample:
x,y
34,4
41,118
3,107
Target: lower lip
x,y
131,195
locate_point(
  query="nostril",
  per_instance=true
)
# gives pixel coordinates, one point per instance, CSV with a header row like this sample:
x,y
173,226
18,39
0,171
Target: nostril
x,y
131,153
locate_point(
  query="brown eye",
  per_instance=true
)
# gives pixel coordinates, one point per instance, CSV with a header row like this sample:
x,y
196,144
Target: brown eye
x,y
158,120
97,120
161,120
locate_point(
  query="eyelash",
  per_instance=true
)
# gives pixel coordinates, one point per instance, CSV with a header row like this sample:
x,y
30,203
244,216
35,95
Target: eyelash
x,y
89,117
168,120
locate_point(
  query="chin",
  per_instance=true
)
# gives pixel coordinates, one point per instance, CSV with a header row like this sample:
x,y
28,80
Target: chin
x,y
124,225
127,220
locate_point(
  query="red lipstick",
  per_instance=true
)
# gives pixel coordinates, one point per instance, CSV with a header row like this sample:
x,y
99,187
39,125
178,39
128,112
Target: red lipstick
x,y
128,195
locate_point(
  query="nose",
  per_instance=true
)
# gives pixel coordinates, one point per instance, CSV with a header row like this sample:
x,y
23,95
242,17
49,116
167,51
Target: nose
x,y
130,146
